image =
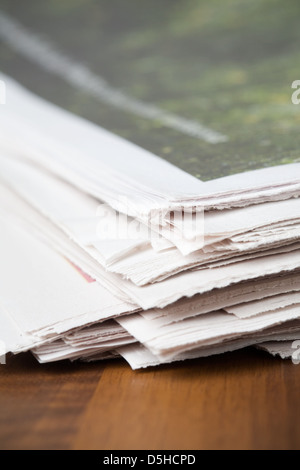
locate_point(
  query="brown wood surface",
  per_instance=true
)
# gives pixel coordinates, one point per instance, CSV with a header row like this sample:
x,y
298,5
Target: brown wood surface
x,y
244,400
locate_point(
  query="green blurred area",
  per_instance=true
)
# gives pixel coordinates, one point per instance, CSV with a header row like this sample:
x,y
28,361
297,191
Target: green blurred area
x,y
227,64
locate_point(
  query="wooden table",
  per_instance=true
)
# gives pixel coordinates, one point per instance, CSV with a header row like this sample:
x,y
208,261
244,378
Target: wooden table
x,y
243,400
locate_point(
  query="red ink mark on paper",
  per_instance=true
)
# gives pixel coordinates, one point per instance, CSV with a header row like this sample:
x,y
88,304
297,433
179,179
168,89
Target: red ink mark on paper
x,y
86,276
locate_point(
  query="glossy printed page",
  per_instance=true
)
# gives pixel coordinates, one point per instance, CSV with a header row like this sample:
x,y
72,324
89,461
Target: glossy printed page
x,y
206,85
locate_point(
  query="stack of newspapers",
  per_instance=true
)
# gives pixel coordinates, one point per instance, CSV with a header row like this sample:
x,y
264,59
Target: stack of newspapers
x,y
107,250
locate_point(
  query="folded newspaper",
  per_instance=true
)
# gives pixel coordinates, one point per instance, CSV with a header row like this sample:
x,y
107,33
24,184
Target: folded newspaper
x,y
165,225
102,258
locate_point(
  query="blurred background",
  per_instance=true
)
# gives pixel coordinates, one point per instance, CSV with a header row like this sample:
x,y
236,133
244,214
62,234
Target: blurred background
x,y
225,65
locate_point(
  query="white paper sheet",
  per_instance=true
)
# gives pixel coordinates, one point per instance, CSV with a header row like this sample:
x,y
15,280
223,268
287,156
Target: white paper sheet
x,y
269,304
41,290
205,330
95,160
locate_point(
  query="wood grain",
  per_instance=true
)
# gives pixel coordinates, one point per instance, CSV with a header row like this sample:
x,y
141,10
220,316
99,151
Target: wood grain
x,y
244,400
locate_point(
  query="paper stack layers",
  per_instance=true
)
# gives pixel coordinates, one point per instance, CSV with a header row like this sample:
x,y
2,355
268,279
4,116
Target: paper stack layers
x,y
107,250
